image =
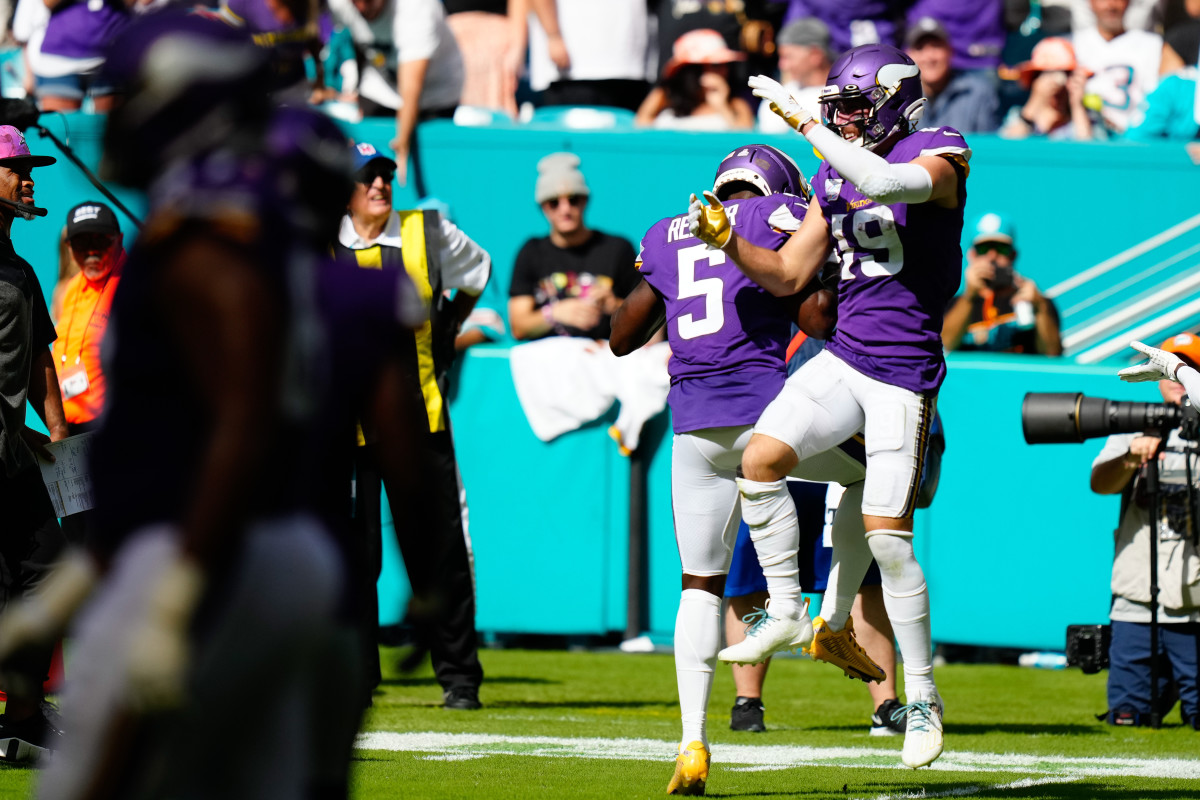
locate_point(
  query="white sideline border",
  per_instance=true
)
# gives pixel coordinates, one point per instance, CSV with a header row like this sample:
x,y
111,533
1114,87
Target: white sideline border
x,y
1047,768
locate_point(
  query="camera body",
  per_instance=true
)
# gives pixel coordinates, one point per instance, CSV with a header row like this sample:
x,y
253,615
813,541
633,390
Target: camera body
x,y
1087,647
1002,277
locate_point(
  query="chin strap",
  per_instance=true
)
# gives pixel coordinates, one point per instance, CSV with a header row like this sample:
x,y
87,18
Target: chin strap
x,y
871,174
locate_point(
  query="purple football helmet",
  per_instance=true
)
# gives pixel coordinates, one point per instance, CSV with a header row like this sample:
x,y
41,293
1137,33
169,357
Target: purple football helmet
x,y
767,169
879,88
188,84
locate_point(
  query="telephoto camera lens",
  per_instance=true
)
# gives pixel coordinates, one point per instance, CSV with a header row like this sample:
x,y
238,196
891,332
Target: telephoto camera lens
x,y
1067,417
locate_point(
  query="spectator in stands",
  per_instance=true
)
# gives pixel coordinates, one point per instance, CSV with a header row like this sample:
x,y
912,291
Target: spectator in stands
x,y
590,54
975,30
491,38
440,258
1124,64
1120,469
965,101
804,61
410,65
1172,109
853,22
570,282
66,60
1142,15
694,93
1181,32
94,238
748,27
1055,107
1000,310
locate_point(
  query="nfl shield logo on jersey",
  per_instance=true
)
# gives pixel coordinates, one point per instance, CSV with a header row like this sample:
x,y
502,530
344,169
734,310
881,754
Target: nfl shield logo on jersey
x,y
833,187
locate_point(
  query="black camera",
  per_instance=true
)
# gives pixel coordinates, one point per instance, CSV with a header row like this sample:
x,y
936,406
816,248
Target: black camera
x,y
1062,417
1087,647
1002,277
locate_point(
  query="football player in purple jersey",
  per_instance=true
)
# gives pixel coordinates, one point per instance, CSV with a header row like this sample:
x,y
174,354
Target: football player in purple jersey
x,y
890,199
728,338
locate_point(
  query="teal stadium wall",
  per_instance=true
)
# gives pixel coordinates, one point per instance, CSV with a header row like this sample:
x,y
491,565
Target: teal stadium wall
x,y
1015,547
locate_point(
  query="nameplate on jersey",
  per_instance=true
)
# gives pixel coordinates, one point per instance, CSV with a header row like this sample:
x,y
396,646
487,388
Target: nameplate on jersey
x,y
678,230
74,381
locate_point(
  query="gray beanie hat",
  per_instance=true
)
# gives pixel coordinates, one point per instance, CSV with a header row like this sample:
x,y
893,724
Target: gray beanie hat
x,y
558,175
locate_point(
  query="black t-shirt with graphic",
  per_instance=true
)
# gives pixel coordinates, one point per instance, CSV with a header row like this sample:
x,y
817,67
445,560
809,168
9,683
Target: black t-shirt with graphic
x,y
550,273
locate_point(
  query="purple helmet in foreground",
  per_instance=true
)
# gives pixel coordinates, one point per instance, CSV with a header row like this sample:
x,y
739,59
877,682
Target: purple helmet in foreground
x,y
767,169
880,80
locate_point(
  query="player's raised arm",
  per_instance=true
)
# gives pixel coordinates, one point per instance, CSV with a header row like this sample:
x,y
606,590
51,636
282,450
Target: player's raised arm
x,y
924,179
782,273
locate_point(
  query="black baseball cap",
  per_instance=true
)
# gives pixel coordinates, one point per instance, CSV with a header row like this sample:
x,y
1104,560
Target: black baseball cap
x,y
92,217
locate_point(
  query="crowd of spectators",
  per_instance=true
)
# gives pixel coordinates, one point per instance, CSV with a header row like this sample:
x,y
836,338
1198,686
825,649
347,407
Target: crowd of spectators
x,y
1065,69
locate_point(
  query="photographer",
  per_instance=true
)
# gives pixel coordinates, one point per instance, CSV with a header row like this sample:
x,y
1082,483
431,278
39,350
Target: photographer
x,y
999,310
1119,469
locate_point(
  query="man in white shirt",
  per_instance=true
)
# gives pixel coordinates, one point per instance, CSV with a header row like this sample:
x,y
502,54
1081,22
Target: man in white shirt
x,y
410,64
440,259
590,53
803,67
1125,63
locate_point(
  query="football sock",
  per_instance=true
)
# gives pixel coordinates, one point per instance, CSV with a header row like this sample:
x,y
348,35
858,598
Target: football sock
x,y
770,514
906,598
697,639
851,557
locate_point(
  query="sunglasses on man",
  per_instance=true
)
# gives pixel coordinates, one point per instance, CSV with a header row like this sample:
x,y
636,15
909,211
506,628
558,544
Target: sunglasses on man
x,y
367,175
575,201
999,248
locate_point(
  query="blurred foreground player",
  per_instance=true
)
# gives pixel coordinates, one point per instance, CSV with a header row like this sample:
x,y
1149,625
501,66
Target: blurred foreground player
x,y
891,197
219,583
728,338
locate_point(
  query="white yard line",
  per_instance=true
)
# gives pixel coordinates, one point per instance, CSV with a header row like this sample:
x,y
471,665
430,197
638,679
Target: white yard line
x,y
461,746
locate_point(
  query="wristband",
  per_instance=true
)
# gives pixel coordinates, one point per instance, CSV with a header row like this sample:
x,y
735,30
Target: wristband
x,y
548,313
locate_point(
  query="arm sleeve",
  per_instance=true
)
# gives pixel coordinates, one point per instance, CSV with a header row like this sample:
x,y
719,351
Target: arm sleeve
x,y
43,327
465,265
1114,446
879,180
1190,379
416,30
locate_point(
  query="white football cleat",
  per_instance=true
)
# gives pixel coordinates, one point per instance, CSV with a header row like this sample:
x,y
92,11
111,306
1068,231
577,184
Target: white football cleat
x,y
767,635
923,739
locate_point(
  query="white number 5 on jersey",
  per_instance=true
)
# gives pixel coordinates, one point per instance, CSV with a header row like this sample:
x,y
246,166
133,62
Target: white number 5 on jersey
x,y
711,289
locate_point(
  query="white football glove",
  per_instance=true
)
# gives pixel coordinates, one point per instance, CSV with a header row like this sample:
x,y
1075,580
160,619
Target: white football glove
x,y
159,649
780,100
709,224
1162,365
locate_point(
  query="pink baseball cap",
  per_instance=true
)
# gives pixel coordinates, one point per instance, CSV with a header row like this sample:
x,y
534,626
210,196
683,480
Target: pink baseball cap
x,y
14,153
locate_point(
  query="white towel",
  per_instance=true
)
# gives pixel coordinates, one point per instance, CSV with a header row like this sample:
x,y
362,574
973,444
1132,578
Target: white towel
x,y
564,382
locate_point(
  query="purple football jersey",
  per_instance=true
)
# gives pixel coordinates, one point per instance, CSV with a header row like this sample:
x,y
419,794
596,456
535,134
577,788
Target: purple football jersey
x,y
728,335
901,264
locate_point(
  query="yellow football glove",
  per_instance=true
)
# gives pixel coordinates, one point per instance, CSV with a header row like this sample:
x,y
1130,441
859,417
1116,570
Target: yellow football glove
x,y
781,101
709,224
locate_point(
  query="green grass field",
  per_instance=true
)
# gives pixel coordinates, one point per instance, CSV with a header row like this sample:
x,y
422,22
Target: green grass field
x,y
583,724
